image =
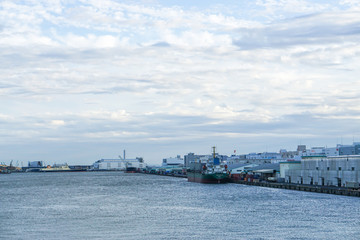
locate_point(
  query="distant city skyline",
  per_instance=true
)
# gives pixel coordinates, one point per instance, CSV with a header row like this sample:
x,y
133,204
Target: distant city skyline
x,y
84,80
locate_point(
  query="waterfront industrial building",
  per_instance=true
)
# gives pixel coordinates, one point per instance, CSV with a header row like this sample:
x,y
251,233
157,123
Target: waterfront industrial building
x,y
109,164
339,171
118,164
322,166
173,161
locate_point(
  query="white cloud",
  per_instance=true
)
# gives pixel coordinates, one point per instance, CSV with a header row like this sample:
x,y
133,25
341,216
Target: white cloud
x,y
281,9
199,40
91,41
114,71
6,117
57,123
353,4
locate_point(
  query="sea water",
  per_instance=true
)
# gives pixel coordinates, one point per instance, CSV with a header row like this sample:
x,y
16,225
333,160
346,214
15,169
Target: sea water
x,y
117,205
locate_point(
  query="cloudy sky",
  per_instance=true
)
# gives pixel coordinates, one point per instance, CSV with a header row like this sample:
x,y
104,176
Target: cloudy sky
x,y
83,80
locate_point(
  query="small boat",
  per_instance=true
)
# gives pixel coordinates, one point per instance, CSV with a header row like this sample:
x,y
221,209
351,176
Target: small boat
x,y
5,171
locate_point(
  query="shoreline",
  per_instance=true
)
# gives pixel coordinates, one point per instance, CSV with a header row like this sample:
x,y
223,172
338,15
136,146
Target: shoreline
x,y
290,186
304,188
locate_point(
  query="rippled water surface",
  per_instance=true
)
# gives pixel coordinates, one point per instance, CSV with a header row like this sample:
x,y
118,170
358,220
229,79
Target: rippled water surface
x,y
115,205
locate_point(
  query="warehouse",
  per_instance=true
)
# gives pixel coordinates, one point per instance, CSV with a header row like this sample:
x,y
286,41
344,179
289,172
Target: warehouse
x,y
326,171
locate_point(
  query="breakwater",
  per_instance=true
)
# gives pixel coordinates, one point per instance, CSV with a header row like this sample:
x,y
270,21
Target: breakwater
x,y
306,188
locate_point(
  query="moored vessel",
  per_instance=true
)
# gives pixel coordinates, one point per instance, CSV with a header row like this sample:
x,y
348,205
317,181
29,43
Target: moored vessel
x,y
133,165
213,171
131,170
56,168
5,171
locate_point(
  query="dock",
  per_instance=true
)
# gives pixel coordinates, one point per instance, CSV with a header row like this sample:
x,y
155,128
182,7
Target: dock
x,y
290,186
306,188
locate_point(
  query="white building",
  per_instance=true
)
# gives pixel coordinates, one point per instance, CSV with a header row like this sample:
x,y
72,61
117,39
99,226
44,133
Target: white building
x,y
118,164
265,157
326,171
109,164
36,164
334,151
237,159
171,161
314,151
289,165
243,168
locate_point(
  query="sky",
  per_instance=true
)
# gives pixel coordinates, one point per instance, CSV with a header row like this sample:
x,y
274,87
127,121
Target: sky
x,y
83,80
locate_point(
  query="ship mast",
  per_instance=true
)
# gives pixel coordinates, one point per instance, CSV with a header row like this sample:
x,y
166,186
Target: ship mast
x,y
214,151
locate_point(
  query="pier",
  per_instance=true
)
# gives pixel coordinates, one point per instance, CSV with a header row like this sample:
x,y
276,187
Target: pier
x,y
290,186
306,188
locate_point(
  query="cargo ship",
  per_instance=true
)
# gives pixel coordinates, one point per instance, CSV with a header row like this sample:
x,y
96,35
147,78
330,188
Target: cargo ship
x,y
213,171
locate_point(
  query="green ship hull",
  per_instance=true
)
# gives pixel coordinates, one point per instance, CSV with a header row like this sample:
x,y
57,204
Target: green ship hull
x,y
207,177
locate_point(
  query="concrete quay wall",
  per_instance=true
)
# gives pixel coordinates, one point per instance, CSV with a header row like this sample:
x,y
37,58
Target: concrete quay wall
x,y
306,188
